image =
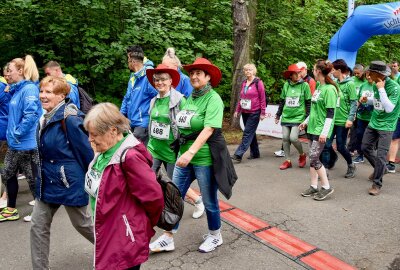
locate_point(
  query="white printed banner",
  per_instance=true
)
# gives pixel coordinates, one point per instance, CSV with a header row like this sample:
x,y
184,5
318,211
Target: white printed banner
x,y
268,126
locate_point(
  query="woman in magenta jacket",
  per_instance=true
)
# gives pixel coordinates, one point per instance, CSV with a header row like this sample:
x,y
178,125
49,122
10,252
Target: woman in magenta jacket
x,y
125,196
251,105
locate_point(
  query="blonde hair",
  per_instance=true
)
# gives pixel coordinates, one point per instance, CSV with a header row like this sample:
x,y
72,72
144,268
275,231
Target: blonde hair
x,y
170,55
28,66
60,85
251,66
103,116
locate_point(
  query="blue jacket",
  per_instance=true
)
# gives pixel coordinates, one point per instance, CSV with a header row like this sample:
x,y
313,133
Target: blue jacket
x,y
184,85
64,158
4,101
136,103
24,113
74,93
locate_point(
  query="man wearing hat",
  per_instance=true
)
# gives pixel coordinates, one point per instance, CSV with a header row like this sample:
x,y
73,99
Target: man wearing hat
x,y
383,121
136,102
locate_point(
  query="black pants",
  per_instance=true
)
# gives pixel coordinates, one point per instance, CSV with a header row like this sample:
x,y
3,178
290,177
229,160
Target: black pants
x,y
382,140
137,267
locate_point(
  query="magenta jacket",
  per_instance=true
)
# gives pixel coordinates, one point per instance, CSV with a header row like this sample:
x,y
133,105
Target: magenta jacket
x,y
257,97
127,209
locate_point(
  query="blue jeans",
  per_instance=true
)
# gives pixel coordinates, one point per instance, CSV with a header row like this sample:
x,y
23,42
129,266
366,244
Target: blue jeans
x,y
183,177
361,126
341,139
250,121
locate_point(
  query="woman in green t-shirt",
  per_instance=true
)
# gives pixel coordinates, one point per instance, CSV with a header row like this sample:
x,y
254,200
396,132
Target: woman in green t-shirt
x,y
199,118
163,129
344,118
320,126
294,108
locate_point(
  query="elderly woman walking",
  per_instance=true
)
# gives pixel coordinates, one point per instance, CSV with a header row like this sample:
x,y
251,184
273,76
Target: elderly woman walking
x,y
65,154
125,197
252,107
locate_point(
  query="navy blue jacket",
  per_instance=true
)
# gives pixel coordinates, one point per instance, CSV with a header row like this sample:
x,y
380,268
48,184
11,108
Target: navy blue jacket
x,y
64,158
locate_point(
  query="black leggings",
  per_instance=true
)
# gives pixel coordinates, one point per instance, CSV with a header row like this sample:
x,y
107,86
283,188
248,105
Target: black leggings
x,y
24,162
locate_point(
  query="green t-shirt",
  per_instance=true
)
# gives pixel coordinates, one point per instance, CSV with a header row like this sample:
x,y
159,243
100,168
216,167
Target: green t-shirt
x,y
204,111
324,97
357,84
364,110
347,94
101,163
160,124
381,120
295,96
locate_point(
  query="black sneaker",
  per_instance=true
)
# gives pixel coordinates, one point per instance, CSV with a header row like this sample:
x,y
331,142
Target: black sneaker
x,y
236,158
391,167
310,191
351,171
323,193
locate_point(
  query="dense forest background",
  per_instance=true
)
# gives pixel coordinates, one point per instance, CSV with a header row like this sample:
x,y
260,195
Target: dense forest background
x,y
89,37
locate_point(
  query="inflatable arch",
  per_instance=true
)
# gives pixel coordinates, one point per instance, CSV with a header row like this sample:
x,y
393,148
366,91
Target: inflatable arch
x,y
365,22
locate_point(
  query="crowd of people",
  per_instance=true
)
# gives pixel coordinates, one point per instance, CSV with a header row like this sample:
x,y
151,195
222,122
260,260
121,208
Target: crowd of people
x,y
103,166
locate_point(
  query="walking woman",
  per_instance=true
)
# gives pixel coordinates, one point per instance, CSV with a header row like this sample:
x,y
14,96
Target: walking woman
x,y
65,154
320,126
344,118
252,107
294,109
199,121
125,197
24,113
163,127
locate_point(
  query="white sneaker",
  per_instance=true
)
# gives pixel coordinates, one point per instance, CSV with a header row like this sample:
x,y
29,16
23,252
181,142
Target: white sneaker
x,y
198,210
279,153
163,243
28,218
3,203
32,203
21,177
210,243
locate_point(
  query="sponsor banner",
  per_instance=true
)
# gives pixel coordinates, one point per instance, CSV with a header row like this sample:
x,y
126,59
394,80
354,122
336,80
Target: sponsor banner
x,y
268,126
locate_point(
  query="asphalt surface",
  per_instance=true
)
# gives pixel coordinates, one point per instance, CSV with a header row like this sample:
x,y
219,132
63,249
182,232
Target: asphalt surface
x,y
359,229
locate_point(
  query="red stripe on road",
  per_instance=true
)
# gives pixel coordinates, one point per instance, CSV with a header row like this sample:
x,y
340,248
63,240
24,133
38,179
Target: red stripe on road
x,y
285,242
324,261
244,220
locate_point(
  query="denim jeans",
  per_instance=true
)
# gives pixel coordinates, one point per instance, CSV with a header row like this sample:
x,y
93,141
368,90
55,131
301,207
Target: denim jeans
x,y
250,121
169,167
361,126
341,139
381,140
183,177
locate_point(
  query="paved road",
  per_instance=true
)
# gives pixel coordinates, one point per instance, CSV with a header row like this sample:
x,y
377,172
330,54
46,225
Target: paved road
x,y
359,229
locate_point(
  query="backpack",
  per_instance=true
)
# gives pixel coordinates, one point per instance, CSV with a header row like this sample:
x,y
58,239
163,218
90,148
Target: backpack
x,y
85,101
173,202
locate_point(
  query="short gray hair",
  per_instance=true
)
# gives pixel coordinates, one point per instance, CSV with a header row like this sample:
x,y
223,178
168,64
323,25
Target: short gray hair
x,y
103,116
252,66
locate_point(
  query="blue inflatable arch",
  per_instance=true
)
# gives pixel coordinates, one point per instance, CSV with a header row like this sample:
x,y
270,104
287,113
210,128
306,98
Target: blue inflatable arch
x,y
365,22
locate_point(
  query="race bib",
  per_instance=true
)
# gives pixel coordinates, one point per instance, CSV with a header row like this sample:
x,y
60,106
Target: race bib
x,y
183,118
159,130
92,182
245,104
378,105
293,101
367,94
316,95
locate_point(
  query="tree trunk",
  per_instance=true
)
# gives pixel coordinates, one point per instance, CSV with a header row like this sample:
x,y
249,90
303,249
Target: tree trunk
x,y
244,13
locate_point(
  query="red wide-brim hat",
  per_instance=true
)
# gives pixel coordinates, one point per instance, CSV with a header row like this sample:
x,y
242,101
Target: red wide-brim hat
x,y
207,66
161,68
291,69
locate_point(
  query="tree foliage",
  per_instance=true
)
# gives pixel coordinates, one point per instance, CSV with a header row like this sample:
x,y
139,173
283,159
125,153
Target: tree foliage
x,y
89,37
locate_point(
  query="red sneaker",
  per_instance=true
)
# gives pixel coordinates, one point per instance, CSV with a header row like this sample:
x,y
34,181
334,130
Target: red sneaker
x,y
302,160
286,165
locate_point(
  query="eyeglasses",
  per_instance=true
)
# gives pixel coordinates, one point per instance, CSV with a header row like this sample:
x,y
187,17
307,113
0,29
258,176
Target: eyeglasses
x,y
160,79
